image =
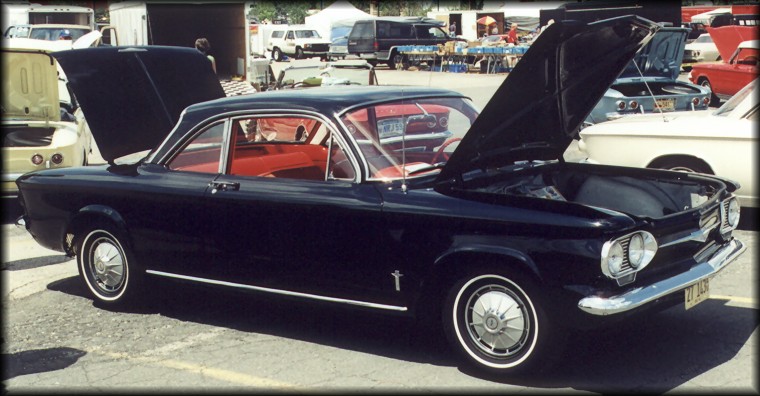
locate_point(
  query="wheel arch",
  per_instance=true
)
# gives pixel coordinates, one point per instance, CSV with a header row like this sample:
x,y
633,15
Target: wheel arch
x,y
86,217
458,262
682,158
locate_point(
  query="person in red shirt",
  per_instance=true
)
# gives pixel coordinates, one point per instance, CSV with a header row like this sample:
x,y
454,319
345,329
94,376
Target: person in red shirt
x,y
512,34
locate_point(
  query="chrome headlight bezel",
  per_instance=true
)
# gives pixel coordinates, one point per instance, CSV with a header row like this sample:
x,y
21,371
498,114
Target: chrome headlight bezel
x,y
619,261
730,214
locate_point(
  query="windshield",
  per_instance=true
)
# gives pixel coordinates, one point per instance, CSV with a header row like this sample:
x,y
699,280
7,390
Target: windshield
x,y
53,34
416,135
741,103
327,75
307,34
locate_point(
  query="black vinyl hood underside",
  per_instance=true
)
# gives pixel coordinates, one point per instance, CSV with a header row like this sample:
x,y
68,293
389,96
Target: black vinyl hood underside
x,y
133,96
542,103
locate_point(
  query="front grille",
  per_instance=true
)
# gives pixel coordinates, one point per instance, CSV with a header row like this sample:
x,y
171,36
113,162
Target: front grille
x,y
626,266
724,226
319,47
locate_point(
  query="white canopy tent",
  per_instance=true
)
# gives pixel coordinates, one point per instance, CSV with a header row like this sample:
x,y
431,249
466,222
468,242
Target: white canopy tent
x,y
340,14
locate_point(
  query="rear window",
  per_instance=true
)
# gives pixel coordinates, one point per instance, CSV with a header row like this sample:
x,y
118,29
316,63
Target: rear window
x,y
362,30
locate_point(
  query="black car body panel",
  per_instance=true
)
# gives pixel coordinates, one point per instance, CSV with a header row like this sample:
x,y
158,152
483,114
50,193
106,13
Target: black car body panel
x,y
294,192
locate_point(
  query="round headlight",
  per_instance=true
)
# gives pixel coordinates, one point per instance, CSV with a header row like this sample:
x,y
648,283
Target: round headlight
x,y
733,213
620,105
615,258
636,250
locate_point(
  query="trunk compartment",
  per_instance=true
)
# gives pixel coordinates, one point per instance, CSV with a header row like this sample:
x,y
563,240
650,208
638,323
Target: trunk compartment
x,y
26,136
651,193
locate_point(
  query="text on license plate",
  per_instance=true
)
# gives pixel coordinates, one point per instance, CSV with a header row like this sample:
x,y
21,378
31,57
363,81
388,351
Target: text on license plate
x,y
666,104
390,127
697,293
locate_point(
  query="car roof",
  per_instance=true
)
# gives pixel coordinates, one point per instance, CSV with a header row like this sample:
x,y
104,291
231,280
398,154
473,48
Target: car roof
x,y
324,100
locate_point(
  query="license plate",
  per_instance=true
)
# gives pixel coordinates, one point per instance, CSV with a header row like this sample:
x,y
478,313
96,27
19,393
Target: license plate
x,y
391,127
666,104
697,293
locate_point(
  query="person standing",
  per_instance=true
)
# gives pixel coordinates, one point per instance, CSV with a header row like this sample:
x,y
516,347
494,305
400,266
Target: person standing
x,y
494,30
453,29
203,46
512,34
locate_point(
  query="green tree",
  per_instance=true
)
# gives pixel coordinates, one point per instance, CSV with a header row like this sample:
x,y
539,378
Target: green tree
x,y
262,10
294,11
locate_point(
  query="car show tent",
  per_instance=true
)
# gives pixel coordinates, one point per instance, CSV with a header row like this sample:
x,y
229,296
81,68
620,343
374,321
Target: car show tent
x,y
336,20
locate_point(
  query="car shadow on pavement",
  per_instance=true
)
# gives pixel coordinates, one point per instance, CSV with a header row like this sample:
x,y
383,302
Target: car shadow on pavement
x,y
35,262
38,361
653,355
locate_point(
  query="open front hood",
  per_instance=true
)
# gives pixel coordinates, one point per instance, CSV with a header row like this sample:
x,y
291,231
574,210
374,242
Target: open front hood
x,y
30,85
662,57
133,96
538,109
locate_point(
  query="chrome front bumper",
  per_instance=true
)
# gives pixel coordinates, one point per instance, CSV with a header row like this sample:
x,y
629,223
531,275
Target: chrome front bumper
x,y
640,296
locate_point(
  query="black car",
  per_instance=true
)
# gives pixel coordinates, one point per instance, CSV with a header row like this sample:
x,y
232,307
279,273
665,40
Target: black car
x,y
294,193
376,40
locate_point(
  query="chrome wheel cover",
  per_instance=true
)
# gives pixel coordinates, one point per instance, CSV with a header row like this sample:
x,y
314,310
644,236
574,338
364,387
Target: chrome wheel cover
x,y
106,264
497,321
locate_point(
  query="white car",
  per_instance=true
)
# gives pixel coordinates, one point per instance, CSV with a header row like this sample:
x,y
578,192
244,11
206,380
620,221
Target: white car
x,y
702,49
722,142
298,41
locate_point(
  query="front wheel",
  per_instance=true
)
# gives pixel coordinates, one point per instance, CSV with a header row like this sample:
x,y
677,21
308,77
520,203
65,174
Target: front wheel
x,y
107,266
496,324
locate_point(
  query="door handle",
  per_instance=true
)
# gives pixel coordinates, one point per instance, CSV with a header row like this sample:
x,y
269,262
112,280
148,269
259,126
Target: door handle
x,y
224,186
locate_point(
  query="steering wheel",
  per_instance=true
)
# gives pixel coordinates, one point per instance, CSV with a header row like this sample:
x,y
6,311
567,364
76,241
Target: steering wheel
x,y
445,144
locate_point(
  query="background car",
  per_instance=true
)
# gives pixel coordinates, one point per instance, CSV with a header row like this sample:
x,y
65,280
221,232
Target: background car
x,y
298,41
49,32
43,126
722,142
338,48
340,72
702,49
650,82
727,77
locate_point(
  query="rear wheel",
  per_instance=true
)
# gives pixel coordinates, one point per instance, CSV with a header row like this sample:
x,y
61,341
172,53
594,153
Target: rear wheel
x,y
398,61
683,165
107,265
714,99
496,323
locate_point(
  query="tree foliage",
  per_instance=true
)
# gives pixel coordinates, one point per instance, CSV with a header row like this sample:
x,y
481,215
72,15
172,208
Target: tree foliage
x,y
294,12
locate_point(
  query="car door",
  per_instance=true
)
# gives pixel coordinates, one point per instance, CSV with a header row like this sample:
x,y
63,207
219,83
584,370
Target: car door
x,y
290,216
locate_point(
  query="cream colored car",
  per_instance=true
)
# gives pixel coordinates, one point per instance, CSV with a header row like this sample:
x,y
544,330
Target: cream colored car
x,y
721,142
42,125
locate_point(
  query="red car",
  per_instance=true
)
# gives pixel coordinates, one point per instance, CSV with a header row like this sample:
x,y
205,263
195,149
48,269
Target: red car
x,y
738,46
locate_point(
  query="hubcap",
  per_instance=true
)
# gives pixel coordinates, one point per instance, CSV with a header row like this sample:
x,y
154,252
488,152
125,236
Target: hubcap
x,y
107,264
497,321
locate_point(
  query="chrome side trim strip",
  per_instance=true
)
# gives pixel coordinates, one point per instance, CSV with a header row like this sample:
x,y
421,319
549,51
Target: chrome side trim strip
x,y
639,296
278,291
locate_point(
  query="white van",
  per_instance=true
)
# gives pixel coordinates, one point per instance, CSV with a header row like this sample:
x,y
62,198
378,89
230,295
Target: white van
x,y
298,41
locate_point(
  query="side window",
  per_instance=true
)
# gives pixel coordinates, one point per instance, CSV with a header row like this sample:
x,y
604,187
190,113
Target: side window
x,y
293,147
401,30
278,34
290,35
202,153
